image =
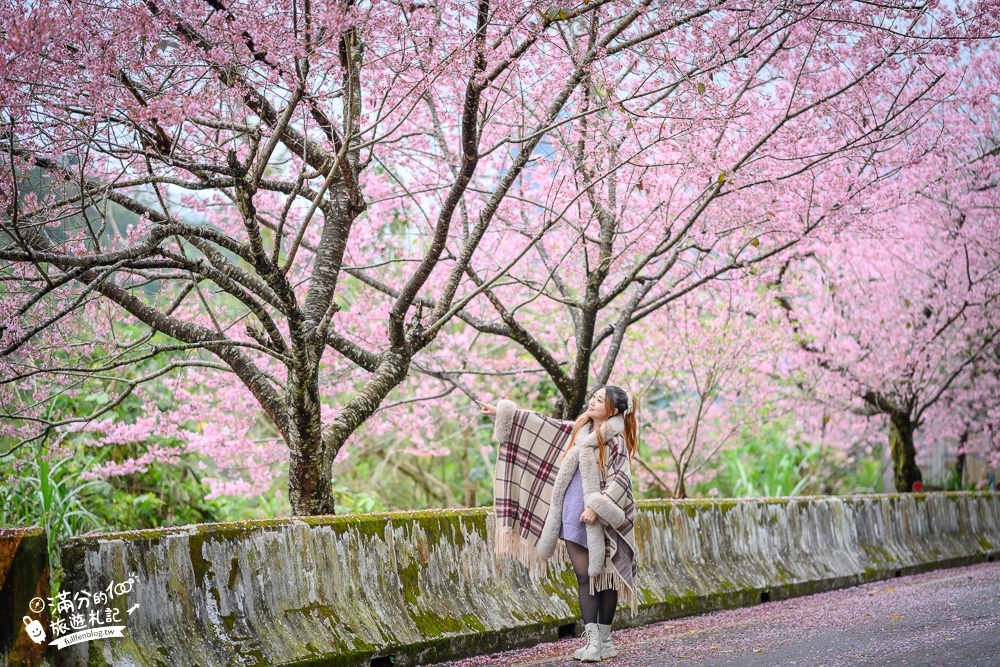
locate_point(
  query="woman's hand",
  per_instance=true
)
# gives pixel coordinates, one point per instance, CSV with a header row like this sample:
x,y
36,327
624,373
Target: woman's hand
x,y
487,409
588,516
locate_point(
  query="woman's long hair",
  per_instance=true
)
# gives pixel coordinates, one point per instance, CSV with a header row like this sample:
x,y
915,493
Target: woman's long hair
x,y
613,397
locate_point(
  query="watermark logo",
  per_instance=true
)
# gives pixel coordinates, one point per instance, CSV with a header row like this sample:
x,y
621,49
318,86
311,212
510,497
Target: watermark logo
x,y
34,629
84,616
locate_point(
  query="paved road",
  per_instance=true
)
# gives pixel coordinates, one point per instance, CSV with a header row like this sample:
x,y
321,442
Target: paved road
x,y
947,617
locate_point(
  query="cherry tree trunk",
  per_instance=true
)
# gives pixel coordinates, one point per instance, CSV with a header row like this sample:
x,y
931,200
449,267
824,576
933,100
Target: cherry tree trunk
x,y
904,455
310,480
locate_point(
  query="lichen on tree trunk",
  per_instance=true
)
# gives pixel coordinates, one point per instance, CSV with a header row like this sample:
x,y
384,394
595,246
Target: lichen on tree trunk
x,y
310,482
904,455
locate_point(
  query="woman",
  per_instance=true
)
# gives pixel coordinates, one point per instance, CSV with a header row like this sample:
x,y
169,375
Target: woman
x,y
572,481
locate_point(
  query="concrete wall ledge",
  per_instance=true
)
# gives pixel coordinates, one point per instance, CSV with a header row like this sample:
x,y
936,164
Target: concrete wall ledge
x,y
24,576
407,588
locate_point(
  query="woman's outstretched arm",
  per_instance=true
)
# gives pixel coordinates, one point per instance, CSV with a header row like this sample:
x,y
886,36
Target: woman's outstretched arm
x,y
487,409
504,414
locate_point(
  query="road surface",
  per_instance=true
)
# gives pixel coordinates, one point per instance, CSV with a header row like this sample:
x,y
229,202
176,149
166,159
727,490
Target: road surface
x,y
943,618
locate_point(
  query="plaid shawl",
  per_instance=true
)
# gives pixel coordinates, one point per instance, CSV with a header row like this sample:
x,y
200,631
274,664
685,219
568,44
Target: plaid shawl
x,y
532,476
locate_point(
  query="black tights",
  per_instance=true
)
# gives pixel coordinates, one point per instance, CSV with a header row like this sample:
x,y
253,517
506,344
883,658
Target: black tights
x,y
599,608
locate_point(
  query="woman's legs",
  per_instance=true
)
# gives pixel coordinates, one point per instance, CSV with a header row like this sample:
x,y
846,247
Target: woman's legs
x,y
579,556
595,608
607,601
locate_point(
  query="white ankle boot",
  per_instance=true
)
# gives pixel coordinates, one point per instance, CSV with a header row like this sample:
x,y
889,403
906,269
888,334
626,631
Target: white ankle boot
x,y
592,651
607,648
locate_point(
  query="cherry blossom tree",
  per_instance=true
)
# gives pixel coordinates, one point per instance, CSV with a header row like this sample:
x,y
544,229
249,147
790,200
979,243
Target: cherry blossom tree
x,y
304,204
902,321
751,135
704,370
256,146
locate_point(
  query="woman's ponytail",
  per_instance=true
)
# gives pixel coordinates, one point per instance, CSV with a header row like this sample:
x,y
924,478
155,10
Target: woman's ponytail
x,y
631,427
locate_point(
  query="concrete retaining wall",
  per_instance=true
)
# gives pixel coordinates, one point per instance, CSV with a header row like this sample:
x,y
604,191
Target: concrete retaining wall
x,y
412,587
24,576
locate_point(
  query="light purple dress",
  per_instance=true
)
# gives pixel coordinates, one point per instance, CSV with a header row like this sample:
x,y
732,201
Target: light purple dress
x,y
574,530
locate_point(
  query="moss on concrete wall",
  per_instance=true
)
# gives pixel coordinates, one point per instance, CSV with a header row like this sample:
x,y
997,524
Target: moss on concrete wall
x,y
424,586
24,575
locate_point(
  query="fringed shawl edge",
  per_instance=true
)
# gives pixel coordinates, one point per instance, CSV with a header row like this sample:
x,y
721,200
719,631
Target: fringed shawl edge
x,y
508,543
